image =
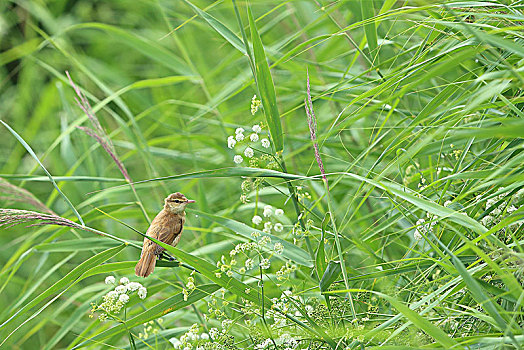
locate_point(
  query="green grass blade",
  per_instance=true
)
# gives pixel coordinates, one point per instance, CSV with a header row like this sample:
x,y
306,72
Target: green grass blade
x,y
76,245
220,28
266,87
367,9
436,333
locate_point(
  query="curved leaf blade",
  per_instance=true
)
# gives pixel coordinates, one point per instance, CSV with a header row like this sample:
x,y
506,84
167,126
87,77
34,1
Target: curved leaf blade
x,y
266,88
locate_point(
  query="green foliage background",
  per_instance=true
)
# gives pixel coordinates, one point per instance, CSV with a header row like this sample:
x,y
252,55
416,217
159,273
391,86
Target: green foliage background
x,y
417,103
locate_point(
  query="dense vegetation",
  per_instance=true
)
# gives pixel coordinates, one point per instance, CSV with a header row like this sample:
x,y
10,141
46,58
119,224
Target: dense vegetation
x,y
357,168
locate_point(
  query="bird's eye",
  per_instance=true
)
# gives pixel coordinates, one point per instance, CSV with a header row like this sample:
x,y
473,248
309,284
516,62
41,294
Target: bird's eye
x,y
177,201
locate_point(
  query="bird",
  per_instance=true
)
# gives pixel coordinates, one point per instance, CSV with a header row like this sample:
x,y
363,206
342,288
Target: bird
x,y
166,227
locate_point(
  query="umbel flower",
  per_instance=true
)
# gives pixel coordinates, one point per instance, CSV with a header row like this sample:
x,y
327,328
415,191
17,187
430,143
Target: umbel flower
x,y
115,300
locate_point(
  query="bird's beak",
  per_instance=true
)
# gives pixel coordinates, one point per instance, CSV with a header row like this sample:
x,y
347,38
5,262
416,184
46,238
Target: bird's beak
x,y
191,201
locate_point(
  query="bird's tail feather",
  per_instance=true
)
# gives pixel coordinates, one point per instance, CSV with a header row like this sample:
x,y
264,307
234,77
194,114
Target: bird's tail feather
x,y
145,265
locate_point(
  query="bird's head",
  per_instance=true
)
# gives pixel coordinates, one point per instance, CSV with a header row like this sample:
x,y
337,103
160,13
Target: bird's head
x,y
176,202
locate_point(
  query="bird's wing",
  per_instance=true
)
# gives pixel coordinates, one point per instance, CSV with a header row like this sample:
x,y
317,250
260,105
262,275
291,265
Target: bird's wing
x,y
173,230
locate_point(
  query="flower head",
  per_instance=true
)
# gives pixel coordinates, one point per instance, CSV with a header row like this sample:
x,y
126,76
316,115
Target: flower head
x,y
256,220
121,289
249,152
124,280
253,137
110,280
255,104
142,292
239,131
239,137
231,142
132,286
264,264
268,211
265,143
238,159
278,227
279,212
249,264
124,298
256,128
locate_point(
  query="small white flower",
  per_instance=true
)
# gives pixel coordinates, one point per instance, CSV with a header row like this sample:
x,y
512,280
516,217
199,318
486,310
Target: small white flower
x,y
279,248
238,159
279,212
268,226
253,137
249,152
265,143
121,289
175,342
417,235
264,240
239,137
264,264
231,142
204,336
142,292
279,227
124,298
239,131
447,203
124,280
249,264
110,280
256,128
132,286
256,220
487,220
226,323
112,295
268,211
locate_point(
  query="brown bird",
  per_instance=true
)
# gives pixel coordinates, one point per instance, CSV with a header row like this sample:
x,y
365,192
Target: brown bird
x,y
166,227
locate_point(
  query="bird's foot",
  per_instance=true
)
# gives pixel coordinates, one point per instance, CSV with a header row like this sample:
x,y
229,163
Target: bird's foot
x,y
167,257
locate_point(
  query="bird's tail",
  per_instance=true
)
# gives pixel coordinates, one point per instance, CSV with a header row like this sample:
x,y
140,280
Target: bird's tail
x,y
145,265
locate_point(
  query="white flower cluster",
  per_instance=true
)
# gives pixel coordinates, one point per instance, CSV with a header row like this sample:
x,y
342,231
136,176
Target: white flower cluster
x,y
190,286
187,339
423,228
268,225
239,137
505,206
255,104
278,328
116,299
285,271
226,267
